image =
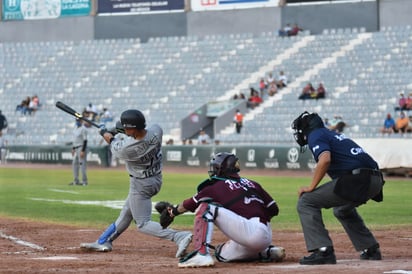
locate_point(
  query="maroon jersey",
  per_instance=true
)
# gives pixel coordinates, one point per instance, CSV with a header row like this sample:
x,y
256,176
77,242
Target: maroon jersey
x,y
240,195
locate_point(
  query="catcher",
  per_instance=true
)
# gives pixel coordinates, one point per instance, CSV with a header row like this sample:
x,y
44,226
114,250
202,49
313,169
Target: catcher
x,y
239,207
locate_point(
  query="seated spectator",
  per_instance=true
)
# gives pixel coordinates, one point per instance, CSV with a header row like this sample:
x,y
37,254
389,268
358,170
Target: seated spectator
x,y
262,86
23,107
295,30
33,105
282,80
91,111
401,123
203,138
285,31
409,128
254,100
307,92
270,79
388,124
273,89
337,124
408,104
320,91
401,102
106,116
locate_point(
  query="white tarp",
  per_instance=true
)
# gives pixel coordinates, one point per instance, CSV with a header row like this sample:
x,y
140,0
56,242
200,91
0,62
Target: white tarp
x,y
389,153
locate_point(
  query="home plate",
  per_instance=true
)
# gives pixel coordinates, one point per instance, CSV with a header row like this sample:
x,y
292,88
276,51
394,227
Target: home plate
x,y
56,258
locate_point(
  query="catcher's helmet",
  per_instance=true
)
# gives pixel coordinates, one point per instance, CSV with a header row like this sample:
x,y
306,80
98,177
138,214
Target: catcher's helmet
x,y
304,124
133,118
224,164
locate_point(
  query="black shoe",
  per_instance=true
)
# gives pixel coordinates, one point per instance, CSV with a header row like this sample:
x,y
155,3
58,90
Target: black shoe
x,y
320,257
371,253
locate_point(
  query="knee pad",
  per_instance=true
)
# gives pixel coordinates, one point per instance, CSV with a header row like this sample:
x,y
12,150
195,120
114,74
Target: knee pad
x,y
203,227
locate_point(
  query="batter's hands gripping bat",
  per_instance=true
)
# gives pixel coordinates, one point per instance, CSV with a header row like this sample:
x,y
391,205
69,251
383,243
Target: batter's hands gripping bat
x,y
71,111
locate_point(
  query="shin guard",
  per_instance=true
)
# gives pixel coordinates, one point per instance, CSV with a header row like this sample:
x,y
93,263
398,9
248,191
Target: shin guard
x,y
203,228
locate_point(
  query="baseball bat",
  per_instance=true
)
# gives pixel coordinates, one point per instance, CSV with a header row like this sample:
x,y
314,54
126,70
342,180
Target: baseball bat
x,y
71,111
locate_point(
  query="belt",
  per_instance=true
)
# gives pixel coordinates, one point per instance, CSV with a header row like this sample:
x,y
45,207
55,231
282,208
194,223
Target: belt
x,y
369,171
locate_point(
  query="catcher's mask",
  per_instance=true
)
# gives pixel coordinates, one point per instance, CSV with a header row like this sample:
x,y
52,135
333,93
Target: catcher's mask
x,y
133,118
224,164
303,125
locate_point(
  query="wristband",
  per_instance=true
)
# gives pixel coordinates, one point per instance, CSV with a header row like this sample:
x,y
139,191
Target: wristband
x,y
175,212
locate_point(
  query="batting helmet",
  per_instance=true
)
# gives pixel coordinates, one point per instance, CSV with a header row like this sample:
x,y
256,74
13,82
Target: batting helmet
x,y
304,124
224,164
133,118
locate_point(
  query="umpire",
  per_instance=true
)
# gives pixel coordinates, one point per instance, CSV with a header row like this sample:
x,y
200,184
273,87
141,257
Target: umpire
x,y
355,178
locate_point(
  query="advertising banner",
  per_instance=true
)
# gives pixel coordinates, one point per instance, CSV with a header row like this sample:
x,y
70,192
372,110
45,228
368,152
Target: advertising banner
x,y
44,9
139,6
202,5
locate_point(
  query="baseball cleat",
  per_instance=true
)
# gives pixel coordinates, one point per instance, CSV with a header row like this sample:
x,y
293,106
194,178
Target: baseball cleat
x,y
276,253
371,253
195,259
95,246
74,184
272,254
320,257
182,243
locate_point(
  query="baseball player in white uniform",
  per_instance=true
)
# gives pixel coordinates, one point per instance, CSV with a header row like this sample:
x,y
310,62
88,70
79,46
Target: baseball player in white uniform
x,y
140,148
79,153
239,207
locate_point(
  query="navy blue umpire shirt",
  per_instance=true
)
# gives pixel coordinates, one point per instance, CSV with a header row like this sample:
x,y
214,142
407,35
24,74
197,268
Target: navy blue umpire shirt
x,y
346,155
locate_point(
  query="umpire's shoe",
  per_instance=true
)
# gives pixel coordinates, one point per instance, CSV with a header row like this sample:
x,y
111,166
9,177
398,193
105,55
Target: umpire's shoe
x,y
371,253
320,256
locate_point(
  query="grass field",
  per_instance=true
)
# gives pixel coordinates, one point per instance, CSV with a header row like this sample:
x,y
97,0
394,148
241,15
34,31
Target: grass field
x,y
45,195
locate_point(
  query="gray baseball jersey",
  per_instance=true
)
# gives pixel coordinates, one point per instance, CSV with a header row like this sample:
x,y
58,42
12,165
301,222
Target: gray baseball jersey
x,y
79,136
143,157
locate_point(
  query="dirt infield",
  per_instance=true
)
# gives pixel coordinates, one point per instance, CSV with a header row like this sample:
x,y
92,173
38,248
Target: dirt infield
x,y
38,247
33,247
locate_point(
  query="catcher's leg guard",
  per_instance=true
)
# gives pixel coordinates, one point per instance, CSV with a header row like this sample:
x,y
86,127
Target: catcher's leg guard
x,y
109,235
203,228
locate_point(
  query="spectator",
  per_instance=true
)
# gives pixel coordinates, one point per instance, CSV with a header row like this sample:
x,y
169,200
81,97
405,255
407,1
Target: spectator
x,y
285,31
203,138
3,122
401,103
170,142
295,30
106,116
23,107
401,123
270,79
337,124
408,105
307,92
273,89
282,80
254,100
238,120
262,86
320,91
409,128
33,104
91,111
388,124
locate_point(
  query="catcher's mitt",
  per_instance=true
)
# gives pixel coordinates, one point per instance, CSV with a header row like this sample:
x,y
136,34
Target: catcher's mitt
x,y
164,209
